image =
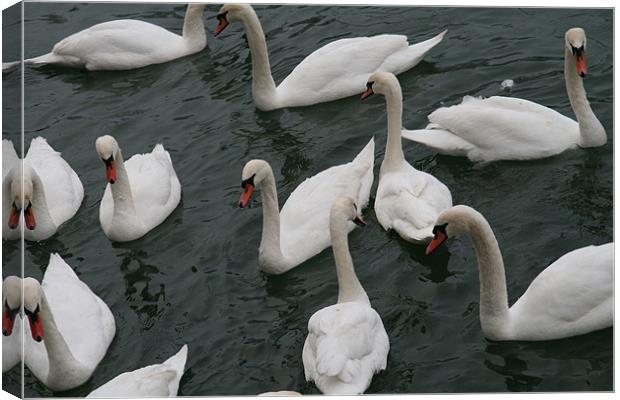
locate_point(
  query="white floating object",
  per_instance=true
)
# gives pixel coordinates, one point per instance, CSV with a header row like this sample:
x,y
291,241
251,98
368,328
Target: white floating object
x,y
507,84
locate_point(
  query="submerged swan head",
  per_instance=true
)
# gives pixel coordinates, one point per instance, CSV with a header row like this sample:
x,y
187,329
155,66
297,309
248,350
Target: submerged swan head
x,y
575,41
254,172
452,222
18,188
107,148
345,209
380,82
11,303
32,307
231,13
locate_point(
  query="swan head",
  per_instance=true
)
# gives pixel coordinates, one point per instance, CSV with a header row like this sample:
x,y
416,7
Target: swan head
x,y
231,13
380,82
32,307
254,172
575,41
345,209
451,222
18,188
107,148
11,303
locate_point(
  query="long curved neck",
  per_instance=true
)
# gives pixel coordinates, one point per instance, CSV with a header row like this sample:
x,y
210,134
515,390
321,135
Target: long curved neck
x,y
394,149
193,26
42,214
263,85
270,241
64,369
591,130
349,287
493,293
121,189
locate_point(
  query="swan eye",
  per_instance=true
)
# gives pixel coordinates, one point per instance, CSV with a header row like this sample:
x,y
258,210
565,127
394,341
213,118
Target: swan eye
x,y
369,84
32,314
108,160
577,51
440,228
222,16
11,312
250,181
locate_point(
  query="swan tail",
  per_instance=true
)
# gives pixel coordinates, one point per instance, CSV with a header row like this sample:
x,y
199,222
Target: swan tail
x,y
178,360
408,58
440,140
367,155
48,58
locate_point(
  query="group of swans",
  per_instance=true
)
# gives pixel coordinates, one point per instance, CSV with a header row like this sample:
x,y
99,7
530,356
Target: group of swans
x,y
140,194
68,333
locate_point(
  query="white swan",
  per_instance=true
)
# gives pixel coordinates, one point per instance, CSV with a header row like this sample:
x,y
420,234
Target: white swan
x,y
11,331
347,343
126,44
301,229
141,192
158,380
504,128
52,191
69,329
572,296
408,200
336,70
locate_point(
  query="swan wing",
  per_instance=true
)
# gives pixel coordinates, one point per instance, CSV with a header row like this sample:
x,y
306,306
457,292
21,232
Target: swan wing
x,y
155,188
77,311
505,128
409,201
120,44
304,218
346,345
9,157
63,189
572,296
159,380
405,59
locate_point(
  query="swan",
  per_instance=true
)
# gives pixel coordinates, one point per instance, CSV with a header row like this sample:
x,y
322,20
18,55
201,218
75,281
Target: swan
x,y
52,191
126,44
572,296
408,200
301,229
334,71
70,328
11,332
141,192
505,128
346,343
158,380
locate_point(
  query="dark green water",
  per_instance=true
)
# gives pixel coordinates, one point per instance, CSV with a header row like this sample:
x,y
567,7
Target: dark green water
x,y
195,278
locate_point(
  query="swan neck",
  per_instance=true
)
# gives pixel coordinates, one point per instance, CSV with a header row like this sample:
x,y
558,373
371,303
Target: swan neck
x,y
42,215
62,364
493,292
121,189
193,26
394,149
263,85
349,286
270,241
591,130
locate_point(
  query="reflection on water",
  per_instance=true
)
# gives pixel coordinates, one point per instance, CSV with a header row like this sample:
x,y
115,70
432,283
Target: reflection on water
x,y
503,359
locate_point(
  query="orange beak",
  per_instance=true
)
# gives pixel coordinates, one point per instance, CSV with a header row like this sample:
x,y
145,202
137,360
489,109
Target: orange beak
x,y
221,25
8,320
29,217
367,93
14,214
246,195
582,65
110,170
36,327
439,238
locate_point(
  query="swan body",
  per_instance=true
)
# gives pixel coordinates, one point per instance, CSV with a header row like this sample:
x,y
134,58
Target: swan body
x,y
11,323
69,330
572,296
158,380
408,200
301,229
501,128
141,192
126,44
336,70
346,343
52,191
